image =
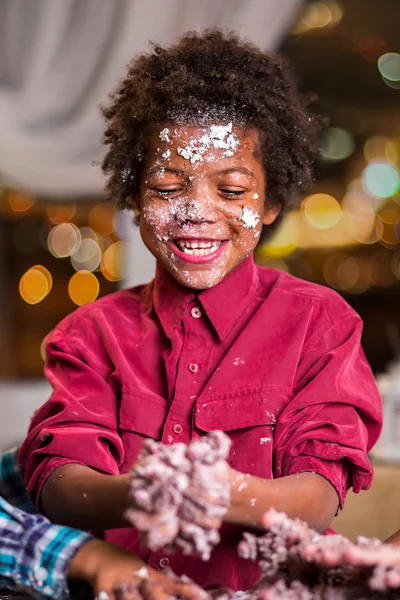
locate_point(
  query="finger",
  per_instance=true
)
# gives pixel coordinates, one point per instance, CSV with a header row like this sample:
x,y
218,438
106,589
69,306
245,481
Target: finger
x,y
154,590
127,591
190,591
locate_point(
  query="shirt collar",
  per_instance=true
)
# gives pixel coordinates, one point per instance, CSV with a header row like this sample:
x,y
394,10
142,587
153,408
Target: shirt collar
x,y
223,303
170,300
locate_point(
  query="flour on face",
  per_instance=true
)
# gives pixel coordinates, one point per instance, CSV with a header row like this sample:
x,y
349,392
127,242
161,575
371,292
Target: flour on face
x,y
249,218
218,136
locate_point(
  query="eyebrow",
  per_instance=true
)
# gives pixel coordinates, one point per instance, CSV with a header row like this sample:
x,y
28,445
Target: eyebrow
x,y
237,170
162,169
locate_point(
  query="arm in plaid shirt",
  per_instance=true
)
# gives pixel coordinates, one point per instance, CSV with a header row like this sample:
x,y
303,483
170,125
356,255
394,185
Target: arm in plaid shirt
x,y
34,554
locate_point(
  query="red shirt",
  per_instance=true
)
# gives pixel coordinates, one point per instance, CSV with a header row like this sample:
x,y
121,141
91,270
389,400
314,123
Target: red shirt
x,y
273,360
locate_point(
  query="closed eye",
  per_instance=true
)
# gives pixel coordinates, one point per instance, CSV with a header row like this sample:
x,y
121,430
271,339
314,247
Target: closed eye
x,y
167,192
228,193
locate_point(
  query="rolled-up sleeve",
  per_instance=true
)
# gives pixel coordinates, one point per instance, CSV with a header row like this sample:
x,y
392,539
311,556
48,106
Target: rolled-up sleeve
x,y
35,555
335,415
78,424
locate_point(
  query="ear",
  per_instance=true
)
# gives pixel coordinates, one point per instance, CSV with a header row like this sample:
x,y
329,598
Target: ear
x,y
270,214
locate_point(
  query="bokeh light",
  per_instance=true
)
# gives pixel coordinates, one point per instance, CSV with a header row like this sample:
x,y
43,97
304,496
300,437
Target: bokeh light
x,y
101,218
380,148
275,263
389,218
64,240
358,206
396,265
112,264
365,232
381,179
316,14
371,47
337,144
380,268
389,66
35,284
286,239
321,211
346,273
61,213
19,202
83,288
87,257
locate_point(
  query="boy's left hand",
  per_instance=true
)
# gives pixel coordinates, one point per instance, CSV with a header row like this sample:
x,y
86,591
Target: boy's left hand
x,y
107,567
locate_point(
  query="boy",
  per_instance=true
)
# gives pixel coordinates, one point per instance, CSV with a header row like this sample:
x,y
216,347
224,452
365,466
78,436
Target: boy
x,y
208,139
38,557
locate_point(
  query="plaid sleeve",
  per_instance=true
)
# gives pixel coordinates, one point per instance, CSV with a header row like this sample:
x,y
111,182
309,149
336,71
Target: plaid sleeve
x,y
12,484
34,554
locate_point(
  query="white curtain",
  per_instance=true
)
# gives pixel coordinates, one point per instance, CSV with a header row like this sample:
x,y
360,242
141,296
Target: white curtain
x,y
60,58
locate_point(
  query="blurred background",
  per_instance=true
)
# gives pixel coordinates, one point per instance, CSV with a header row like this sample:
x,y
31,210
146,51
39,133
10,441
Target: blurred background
x,y
62,245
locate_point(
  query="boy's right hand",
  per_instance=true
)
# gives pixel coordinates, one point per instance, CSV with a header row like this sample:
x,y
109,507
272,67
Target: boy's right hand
x,y
107,567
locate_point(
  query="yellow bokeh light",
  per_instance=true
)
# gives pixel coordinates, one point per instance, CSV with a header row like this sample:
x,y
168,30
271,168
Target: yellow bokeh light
x,y
321,211
365,232
64,240
285,241
316,15
19,202
60,213
390,216
83,288
35,284
112,264
101,218
380,147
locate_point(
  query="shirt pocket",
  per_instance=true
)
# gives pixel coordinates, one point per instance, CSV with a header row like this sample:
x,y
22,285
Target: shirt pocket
x,y
249,418
142,415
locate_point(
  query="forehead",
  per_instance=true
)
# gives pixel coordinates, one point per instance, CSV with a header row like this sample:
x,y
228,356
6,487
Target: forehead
x,y
214,141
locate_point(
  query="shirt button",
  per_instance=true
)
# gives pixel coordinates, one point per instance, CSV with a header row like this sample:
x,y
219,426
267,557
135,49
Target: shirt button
x,y
194,367
195,312
163,563
177,428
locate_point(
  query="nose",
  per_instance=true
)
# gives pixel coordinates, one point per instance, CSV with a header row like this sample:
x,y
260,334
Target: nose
x,y
198,208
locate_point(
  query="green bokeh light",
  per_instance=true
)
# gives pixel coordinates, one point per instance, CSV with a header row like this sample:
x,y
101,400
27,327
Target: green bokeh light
x,y
381,179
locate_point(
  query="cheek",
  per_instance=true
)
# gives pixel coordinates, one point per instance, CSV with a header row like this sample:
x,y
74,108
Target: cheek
x,y
156,217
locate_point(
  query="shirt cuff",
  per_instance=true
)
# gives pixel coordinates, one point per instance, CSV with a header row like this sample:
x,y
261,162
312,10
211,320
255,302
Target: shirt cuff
x,y
53,464
336,472
43,561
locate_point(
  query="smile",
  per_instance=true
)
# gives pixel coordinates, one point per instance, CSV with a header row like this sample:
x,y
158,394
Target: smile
x,y
198,250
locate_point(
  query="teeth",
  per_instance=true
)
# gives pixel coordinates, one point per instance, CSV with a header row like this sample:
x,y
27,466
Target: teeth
x,y
200,248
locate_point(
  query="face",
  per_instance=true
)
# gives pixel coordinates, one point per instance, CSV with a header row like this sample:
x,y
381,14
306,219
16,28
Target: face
x,y
202,198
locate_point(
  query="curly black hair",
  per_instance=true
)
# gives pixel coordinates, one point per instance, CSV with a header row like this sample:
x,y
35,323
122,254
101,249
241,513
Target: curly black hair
x,y
215,76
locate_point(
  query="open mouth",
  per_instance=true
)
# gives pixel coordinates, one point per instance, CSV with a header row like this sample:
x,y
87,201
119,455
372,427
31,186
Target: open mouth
x,y
198,247
198,251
